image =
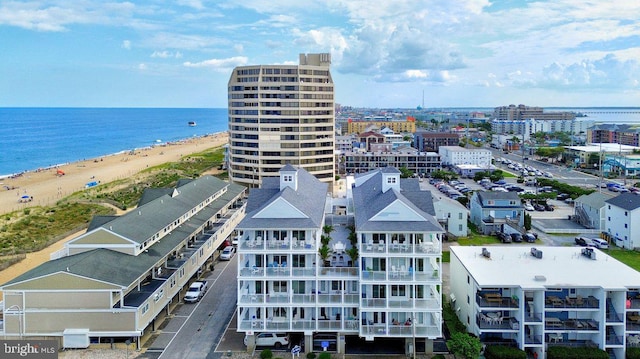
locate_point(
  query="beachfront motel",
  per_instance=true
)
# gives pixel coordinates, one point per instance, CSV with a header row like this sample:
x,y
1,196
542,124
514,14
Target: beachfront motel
x,y
392,282
535,298
122,276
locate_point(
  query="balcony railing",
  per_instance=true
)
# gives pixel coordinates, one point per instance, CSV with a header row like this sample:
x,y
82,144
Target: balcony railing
x,y
401,330
421,303
571,302
247,244
504,323
533,339
399,248
533,317
494,300
571,324
284,324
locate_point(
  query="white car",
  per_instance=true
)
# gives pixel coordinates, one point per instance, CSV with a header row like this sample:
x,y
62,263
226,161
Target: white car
x,y
277,340
600,243
527,206
227,253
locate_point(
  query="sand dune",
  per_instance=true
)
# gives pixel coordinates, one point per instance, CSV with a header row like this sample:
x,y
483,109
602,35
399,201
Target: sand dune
x,y
47,187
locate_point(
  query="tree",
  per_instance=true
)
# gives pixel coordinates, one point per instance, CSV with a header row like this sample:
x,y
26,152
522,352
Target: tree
x,y
464,345
353,254
324,252
527,221
405,172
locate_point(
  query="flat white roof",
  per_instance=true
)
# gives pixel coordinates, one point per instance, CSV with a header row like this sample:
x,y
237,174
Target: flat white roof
x,y
559,267
606,147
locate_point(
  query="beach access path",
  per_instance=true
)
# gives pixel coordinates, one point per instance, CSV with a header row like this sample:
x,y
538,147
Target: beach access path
x,y
46,186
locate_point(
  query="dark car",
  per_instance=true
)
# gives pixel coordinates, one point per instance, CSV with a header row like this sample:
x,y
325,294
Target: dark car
x,y
503,237
529,237
516,237
549,207
538,207
580,241
562,196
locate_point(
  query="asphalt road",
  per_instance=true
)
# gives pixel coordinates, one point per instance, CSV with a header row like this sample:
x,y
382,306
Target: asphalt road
x,y
204,323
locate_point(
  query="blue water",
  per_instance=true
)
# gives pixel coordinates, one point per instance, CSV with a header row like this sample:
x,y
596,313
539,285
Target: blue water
x,y
32,138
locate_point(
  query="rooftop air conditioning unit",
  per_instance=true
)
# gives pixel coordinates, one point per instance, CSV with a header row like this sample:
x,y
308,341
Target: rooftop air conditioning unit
x,y
486,253
536,253
589,253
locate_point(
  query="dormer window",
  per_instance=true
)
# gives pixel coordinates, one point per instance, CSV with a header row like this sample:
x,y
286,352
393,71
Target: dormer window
x,y
287,178
391,180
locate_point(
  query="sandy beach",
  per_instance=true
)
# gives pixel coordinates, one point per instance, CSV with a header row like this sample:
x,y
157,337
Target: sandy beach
x,y
47,187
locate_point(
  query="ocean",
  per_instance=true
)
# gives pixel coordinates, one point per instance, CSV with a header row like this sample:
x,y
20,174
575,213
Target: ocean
x,y
32,138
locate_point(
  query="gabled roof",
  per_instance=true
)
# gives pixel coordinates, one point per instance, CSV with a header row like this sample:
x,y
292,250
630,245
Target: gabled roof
x,y
264,204
486,196
379,211
122,269
628,201
593,200
145,221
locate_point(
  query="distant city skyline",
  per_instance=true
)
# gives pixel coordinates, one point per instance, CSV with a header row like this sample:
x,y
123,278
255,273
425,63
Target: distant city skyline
x,y
386,54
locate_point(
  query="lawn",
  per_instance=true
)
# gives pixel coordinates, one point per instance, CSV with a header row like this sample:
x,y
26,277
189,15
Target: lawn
x,y
630,258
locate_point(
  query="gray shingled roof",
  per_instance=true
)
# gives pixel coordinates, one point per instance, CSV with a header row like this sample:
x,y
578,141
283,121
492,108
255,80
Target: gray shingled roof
x,y
123,269
369,200
593,200
309,199
142,223
628,201
485,196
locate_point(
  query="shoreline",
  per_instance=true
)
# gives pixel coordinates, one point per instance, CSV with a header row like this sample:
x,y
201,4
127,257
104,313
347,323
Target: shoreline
x,y
55,166
47,186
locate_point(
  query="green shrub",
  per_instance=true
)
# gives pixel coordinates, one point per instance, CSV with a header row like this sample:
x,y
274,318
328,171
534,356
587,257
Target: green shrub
x,y
311,355
324,355
503,352
632,353
266,354
438,356
576,353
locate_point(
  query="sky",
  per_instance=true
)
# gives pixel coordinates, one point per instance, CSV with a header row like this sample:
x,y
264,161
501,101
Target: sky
x,y
385,53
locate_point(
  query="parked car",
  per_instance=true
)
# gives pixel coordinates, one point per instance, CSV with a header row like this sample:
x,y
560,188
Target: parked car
x,y
277,340
562,196
529,237
227,253
503,237
539,207
516,237
584,241
600,243
527,206
549,207
196,291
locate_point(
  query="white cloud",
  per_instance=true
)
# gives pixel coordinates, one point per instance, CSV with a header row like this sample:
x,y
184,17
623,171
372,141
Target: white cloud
x,y
126,44
196,4
142,67
166,54
220,64
607,72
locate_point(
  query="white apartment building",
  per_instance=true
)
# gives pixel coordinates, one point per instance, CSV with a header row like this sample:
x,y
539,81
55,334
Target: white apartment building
x,y
622,212
456,155
535,298
528,127
281,114
382,269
